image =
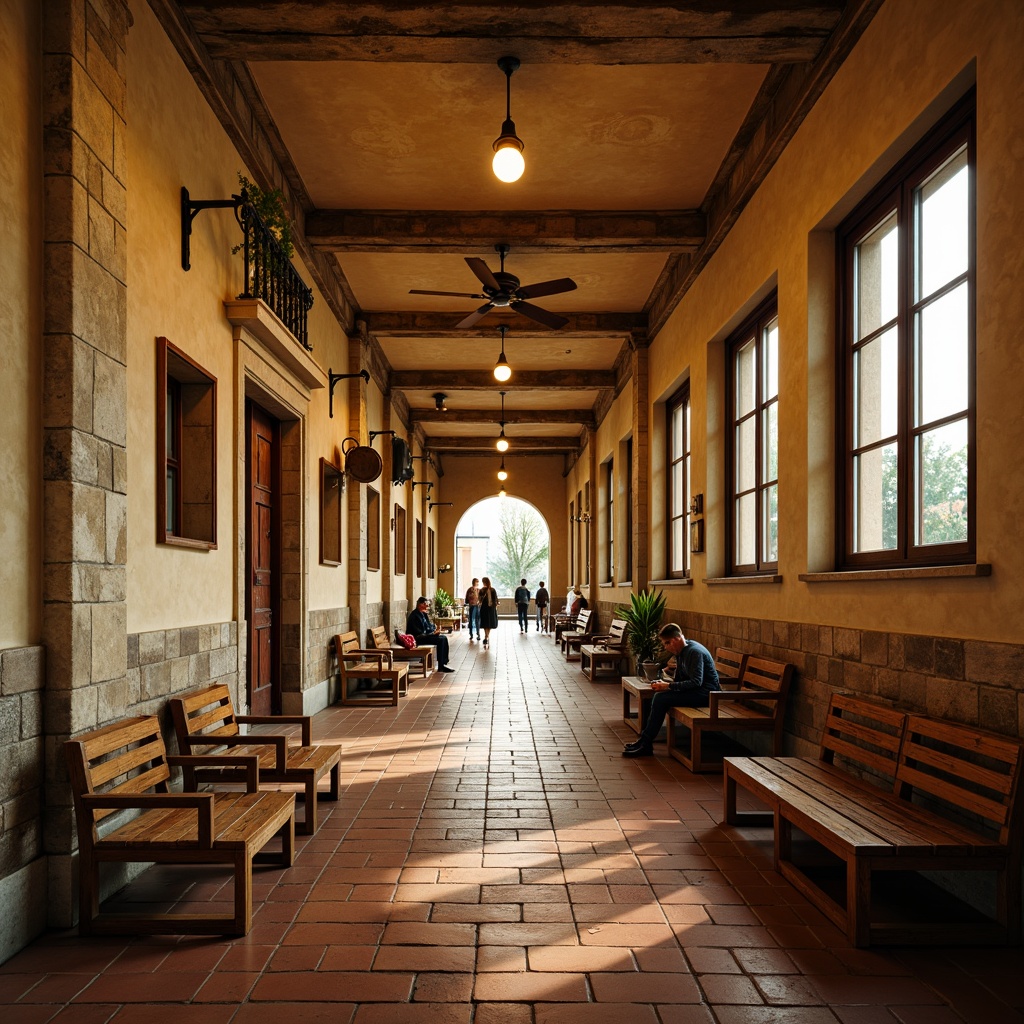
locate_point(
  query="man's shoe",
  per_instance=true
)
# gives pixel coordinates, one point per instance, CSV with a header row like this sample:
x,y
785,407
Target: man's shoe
x,y
633,743
644,750
445,668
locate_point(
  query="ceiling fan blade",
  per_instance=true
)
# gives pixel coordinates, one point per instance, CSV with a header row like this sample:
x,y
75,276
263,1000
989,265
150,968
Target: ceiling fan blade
x,y
534,291
483,272
477,314
542,316
461,295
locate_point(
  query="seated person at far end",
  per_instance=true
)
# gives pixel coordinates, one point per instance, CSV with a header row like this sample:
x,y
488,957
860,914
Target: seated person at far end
x,y
420,626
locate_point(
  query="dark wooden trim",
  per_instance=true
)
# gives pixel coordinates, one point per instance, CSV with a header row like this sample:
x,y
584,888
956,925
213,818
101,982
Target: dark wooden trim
x,y
483,380
442,325
583,417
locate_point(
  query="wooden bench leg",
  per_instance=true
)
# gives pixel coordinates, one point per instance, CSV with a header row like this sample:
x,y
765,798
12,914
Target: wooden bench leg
x,y
242,920
309,818
858,901
334,793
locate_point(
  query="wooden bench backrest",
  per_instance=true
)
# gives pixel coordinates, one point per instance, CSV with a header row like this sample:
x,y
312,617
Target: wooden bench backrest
x,y
380,638
863,735
585,621
616,635
730,663
126,757
209,711
763,674
345,642
973,771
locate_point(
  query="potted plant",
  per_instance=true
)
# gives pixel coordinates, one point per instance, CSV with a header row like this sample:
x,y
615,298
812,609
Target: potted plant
x,y
271,208
643,617
443,603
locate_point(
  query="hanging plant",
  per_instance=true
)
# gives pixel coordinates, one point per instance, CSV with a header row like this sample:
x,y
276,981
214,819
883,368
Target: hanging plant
x,y
270,206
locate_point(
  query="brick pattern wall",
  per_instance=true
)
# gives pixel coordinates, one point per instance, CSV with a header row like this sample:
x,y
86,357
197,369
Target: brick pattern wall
x,y
324,623
971,681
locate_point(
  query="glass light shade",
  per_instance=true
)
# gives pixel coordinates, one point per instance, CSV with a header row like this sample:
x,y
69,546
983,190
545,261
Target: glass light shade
x,y
503,472
502,443
508,163
502,371
502,493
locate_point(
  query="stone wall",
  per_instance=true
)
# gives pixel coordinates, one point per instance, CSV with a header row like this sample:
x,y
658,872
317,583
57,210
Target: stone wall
x,y
970,681
22,866
324,623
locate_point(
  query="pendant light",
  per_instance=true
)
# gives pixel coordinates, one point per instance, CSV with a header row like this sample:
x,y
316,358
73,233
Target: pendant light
x,y
502,371
502,442
503,472
508,163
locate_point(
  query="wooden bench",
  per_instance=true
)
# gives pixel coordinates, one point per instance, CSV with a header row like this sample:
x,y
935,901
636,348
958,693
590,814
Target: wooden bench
x,y
205,722
573,639
730,665
368,677
855,849
603,658
758,705
125,767
563,622
424,654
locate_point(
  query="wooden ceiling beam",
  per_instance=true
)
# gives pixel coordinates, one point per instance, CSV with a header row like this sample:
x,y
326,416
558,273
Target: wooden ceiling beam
x,y
450,380
475,233
442,325
465,31
485,445
583,417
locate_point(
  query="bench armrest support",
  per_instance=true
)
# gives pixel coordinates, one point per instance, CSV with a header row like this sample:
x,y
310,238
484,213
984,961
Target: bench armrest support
x,y
306,721
202,803
249,762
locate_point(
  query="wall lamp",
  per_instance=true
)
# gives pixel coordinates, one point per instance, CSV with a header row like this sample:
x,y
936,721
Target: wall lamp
x,y
333,378
431,505
444,568
583,517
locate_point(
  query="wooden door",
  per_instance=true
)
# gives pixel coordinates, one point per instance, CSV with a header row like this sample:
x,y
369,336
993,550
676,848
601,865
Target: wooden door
x,y
263,597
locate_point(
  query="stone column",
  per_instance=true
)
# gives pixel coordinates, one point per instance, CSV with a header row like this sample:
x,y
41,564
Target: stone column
x,y
85,393
640,401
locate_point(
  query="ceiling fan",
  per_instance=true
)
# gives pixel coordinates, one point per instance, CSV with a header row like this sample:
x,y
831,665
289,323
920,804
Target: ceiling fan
x,y
502,290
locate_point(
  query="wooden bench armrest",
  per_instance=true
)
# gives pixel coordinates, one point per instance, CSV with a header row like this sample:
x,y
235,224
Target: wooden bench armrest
x,y
357,654
306,721
202,803
280,744
250,762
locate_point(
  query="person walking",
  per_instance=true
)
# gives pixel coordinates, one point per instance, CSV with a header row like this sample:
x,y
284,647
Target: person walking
x,y
694,680
488,609
473,608
419,625
541,599
522,599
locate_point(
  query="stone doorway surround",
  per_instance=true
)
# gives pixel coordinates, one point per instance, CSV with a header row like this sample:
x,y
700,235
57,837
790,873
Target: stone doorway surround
x,y
276,373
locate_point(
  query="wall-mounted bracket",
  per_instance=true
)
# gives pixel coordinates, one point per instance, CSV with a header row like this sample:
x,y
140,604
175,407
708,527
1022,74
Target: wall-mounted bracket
x,y
333,378
431,505
423,483
189,209
375,433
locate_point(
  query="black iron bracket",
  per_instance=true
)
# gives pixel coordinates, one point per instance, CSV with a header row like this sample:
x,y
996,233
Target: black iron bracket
x,y
423,483
189,208
333,378
431,505
375,433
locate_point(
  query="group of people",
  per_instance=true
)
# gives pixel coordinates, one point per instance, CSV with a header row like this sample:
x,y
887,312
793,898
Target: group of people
x,y
481,609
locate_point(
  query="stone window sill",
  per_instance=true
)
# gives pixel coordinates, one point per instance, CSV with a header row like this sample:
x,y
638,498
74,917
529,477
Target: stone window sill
x,y
923,572
717,581
675,581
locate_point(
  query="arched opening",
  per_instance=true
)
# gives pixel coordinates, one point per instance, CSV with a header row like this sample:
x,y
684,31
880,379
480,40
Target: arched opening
x,y
506,539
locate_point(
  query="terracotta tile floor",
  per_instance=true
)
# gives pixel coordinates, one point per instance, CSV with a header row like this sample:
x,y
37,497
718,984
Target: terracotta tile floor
x,y
494,860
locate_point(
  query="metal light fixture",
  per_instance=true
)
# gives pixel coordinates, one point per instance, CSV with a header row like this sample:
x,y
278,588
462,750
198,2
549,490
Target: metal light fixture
x,y
502,371
502,442
502,493
503,472
439,403
508,163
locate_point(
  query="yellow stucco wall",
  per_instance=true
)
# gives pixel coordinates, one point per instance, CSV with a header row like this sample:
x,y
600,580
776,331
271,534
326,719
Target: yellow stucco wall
x,y
171,145
20,323
906,70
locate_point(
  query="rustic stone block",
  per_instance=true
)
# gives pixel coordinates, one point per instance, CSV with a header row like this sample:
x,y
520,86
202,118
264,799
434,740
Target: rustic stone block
x,y
89,524
133,680
223,661
67,629
10,725
133,650
888,683
101,64
94,584
32,723
835,673
953,701
897,657
70,713
118,470
919,653
180,675
825,641
188,640
156,680
998,710
109,641
172,644
151,647
110,400
66,210
858,677
199,668
112,699
846,643
874,648
949,658
998,664
22,669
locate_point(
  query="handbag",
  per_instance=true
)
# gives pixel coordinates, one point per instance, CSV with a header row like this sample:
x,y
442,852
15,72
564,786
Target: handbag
x,y
407,640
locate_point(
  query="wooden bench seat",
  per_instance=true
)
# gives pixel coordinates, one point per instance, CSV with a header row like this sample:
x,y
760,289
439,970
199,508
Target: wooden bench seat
x,y
125,767
205,723
855,847
603,657
368,677
422,654
572,639
757,705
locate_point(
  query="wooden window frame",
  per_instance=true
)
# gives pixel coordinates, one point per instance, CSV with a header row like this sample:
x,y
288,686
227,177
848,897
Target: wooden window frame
x,y
373,522
188,393
754,328
400,540
896,196
419,548
431,553
609,531
673,515
332,487
627,536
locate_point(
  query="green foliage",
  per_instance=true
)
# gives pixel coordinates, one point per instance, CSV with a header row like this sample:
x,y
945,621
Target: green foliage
x,y
442,601
643,617
272,211
524,554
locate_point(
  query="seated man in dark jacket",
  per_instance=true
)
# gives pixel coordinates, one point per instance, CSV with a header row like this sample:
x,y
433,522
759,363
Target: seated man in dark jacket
x,y
420,626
